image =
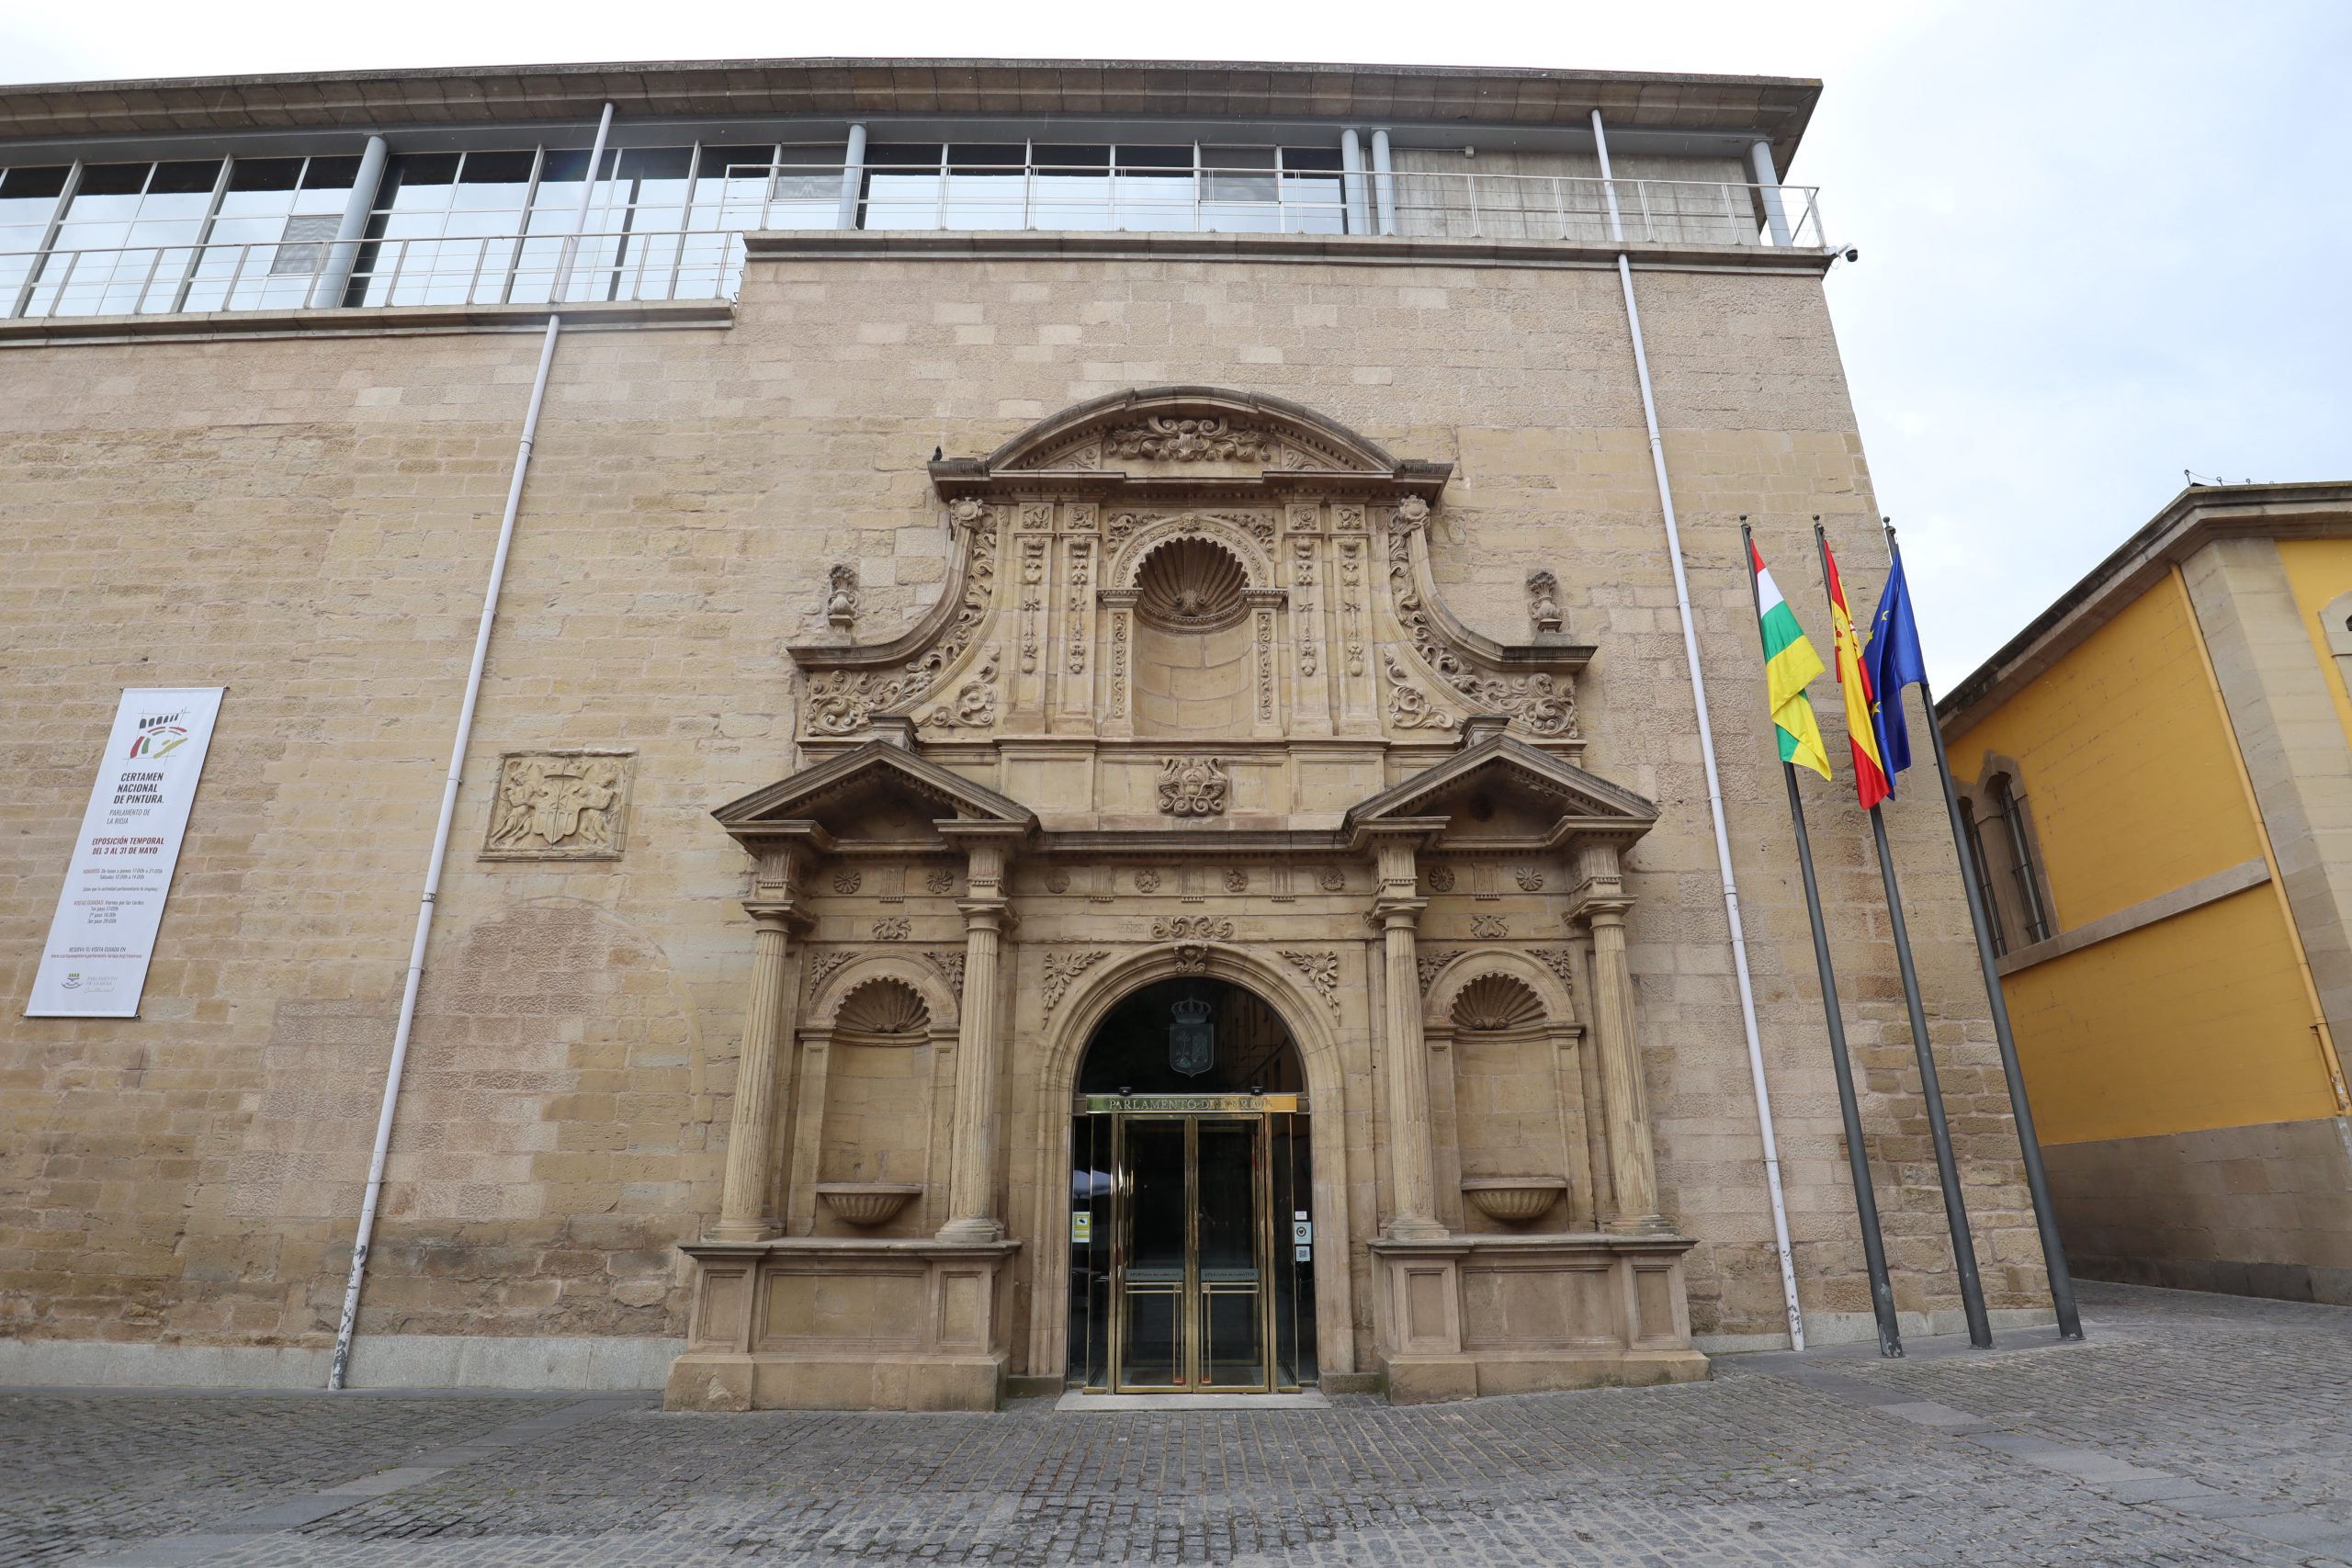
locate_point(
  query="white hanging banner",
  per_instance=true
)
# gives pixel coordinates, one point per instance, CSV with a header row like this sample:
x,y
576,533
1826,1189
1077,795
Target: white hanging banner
x,y
107,914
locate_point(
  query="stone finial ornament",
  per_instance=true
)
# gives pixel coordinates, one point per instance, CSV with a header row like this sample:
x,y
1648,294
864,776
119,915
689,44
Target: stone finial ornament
x,y
841,597
1544,603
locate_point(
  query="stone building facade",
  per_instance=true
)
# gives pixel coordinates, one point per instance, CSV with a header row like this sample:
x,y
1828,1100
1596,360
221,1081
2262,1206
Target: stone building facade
x,y
948,678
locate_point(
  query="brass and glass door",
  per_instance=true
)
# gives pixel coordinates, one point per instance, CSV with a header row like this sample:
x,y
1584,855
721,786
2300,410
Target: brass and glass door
x,y
1189,1270
1190,1245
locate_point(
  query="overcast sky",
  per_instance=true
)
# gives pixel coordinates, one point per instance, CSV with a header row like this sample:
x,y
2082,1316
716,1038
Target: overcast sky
x,y
2100,243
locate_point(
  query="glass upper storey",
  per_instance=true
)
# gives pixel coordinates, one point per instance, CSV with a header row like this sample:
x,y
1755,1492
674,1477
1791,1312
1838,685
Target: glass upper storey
x,y
507,224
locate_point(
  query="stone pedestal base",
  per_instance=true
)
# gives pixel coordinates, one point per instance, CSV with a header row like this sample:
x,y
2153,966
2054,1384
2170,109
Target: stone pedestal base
x,y
826,1324
1486,1314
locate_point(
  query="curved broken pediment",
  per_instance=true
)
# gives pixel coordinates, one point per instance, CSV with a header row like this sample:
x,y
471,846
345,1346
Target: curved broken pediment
x,y
1190,433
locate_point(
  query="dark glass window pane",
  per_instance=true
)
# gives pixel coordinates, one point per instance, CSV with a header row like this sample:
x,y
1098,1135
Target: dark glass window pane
x,y
513,169
903,155
1172,159
1324,158
716,160
655,162
265,174
986,158
46,180
114,179
185,179
331,174
1071,157
419,169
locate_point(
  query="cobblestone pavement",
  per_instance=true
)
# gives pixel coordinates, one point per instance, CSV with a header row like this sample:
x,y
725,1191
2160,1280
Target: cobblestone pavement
x,y
2190,1429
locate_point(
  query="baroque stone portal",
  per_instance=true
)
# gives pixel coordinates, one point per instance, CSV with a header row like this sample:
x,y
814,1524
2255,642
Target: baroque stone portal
x,y
1217,752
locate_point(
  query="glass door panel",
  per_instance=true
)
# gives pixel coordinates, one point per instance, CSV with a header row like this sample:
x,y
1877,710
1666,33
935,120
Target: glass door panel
x,y
1229,1214
1154,1348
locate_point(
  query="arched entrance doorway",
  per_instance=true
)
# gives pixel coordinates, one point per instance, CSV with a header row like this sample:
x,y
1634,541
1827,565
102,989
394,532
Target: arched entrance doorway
x,y
1191,1228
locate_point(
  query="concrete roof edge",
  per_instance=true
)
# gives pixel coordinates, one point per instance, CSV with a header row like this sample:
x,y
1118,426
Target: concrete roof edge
x,y
2188,521
1781,106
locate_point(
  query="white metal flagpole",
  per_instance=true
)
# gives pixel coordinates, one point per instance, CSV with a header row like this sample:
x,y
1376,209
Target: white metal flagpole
x,y
1707,757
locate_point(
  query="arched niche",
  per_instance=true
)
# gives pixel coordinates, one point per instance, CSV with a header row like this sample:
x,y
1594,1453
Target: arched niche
x,y
874,1081
1512,1092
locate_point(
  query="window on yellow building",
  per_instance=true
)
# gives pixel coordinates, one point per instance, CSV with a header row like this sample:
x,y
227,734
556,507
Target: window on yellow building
x,y
2017,848
1984,867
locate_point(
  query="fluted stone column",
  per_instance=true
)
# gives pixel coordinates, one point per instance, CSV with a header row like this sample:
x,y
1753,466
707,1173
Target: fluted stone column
x,y
1632,1166
971,1172
1412,1164
767,1023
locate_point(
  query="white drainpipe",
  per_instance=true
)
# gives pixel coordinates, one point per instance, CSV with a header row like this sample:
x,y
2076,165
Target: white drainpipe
x,y
1707,757
425,904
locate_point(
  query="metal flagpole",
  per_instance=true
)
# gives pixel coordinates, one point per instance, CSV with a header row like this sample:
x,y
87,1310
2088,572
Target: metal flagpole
x,y
1963,1246
2046,1216
1890,1335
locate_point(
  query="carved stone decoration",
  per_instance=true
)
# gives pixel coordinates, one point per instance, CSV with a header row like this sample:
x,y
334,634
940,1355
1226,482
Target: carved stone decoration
x,y
1190,958
1348,518
1081,567
1302,581
841,597
1530,879
892,927
1033,599
1057,881
1533,702
847,881
1192,928
1162,439
1322,971
1489,927
1266,666
1236,881
974,701
949,961
1544,603
1494,1002
559,806
1189,584
1441,879
1409,707
939,879
1426,966
1331,879
1118,662
1560,960
842,702
1062,968
883,1005
1412,513
1351,597
822,966
1147,880
1193,787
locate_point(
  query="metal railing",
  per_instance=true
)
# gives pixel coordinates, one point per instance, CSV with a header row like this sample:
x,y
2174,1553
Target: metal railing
x,y
492,269
706,261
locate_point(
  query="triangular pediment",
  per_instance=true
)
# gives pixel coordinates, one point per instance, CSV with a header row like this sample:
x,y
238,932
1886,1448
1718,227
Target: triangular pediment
x,y
877,791
1505,789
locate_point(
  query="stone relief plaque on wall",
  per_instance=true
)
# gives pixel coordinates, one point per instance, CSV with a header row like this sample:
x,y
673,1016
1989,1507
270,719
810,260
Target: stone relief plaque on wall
x,y
567,805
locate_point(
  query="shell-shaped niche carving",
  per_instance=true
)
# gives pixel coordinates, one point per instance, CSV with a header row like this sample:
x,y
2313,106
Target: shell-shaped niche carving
x,y
883,1007
1191,584
1495,1002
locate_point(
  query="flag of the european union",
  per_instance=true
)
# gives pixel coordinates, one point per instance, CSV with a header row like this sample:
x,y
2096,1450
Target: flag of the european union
x,y
1895,662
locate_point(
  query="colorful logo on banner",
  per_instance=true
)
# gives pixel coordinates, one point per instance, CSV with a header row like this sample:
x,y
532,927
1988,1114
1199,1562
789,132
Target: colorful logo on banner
x,y
158,736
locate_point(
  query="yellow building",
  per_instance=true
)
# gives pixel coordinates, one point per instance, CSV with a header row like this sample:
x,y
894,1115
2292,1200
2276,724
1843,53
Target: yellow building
x,y
2158,771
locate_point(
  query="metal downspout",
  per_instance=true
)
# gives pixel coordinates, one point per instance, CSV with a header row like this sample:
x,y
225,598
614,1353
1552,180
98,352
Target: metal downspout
x,y
1707,757
346,1327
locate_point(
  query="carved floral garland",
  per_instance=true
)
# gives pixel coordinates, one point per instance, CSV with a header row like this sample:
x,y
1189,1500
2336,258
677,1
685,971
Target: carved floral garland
x,y
1531,701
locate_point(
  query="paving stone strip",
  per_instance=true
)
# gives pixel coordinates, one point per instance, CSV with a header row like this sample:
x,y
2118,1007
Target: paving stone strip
x,y
290,1514
2312,1529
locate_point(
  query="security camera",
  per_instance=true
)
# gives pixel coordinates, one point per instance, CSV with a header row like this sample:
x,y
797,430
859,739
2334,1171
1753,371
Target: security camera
x,y
1853,252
